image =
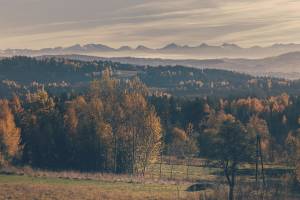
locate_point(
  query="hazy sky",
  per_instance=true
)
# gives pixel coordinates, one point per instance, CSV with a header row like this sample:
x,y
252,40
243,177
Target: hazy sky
x,y
50,23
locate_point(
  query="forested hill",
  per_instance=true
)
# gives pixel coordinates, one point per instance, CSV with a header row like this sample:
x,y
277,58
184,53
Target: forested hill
x,y
23,74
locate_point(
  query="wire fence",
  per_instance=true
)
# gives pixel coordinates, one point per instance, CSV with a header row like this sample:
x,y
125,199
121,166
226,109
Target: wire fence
x,y
182,169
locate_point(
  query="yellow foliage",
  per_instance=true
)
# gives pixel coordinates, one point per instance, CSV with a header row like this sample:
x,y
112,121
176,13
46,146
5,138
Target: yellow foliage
x,y
179,134
9,133
151,138
260,127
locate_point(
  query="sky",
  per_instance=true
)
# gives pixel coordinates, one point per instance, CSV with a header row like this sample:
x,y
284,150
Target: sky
x,y
39,24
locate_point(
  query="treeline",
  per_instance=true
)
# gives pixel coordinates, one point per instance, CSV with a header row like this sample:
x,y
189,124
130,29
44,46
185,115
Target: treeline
x,y
24,70
191,82
22,75
275,119
111,128
115,115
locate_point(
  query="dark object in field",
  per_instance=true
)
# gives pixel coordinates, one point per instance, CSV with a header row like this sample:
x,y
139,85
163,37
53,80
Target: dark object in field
x,y
199,187
6,172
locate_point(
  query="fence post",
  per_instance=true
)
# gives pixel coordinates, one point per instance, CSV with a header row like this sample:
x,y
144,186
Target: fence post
x,y
160,165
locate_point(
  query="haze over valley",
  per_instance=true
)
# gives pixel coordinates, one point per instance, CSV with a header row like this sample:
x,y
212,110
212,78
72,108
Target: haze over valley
x,y
279,60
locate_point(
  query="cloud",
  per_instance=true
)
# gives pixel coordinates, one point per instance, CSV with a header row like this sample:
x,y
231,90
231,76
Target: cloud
x,y
45,23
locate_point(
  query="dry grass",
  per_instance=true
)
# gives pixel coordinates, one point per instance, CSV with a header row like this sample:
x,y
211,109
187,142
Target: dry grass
x,y
26,183
26,187
182,172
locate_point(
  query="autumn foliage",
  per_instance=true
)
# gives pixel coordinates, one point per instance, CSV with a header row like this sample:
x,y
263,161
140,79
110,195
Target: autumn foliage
x,y
9,133
109,128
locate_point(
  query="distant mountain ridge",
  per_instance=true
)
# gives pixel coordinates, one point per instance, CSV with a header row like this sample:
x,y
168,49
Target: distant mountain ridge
x,y
170,51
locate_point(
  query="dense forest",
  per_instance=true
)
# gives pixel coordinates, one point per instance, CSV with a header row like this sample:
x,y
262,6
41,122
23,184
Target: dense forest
x,y
110,128
121,123
57,76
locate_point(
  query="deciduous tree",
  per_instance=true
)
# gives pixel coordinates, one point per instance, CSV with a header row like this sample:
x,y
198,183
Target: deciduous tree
x,y
9,133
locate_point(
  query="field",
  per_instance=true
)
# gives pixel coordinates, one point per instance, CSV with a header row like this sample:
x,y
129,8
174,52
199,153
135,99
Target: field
x,y
26,183
26,187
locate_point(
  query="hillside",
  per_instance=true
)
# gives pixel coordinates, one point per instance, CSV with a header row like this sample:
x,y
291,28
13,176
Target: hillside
x,y
23,74
282,66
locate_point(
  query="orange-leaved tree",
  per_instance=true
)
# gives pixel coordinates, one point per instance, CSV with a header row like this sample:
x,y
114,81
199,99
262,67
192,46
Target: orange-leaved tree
x,y
9,134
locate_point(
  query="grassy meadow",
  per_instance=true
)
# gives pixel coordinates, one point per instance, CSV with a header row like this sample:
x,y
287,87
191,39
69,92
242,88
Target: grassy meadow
x,y
26,183
26,187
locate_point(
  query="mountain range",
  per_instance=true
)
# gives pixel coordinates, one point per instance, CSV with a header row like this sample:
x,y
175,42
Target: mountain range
x,y
170,51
